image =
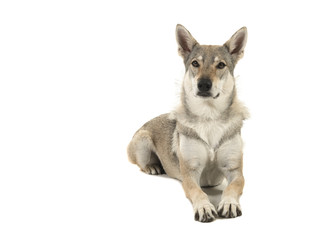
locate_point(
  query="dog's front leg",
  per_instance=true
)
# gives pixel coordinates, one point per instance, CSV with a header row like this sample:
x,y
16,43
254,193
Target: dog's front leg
x,y
192,156
204,211
229,206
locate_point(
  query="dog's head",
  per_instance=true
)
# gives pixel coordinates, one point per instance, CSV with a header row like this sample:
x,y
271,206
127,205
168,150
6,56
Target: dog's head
x,y
209,68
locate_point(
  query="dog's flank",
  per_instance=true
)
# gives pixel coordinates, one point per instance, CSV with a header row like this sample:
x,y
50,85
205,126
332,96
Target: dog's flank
x,y
199,142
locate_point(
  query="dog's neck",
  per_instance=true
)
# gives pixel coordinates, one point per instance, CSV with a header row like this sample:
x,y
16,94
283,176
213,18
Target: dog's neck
x,y
199,109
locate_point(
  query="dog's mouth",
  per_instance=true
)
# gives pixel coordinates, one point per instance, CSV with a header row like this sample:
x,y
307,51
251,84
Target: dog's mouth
x,y
204,94
207,94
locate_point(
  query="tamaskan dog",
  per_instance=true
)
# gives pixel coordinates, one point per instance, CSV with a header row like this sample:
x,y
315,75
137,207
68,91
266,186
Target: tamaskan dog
x,y
200,142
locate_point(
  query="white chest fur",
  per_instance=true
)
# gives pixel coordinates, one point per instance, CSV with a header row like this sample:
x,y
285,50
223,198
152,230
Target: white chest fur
x,y
211,132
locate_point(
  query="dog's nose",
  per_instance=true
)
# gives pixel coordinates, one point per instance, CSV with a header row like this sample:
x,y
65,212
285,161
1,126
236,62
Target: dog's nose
x,y
204,85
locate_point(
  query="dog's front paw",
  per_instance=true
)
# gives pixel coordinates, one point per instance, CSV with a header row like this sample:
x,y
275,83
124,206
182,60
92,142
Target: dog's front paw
x,y
229,209
205,212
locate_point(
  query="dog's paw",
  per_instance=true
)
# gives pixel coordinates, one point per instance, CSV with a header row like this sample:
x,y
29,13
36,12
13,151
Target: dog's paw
x,y
205,212
154,169
229,209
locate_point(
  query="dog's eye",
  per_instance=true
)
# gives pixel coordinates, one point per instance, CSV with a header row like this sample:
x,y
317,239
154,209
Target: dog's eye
x,y
195,64
220,65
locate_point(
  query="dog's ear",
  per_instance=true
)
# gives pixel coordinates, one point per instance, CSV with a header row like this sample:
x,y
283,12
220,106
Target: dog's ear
x,y
185,41
237,43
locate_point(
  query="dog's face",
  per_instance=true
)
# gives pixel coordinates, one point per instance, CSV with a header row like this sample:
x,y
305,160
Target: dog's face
x,y
209,69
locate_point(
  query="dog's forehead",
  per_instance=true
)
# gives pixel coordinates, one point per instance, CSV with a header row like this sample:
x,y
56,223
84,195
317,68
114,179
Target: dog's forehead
x,y
210,52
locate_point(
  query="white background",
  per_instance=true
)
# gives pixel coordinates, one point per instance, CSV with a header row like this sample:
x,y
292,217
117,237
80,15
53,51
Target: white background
x,y
78,78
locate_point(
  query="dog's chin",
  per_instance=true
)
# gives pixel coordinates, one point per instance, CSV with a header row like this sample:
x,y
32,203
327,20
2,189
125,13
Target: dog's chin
x,y
207,95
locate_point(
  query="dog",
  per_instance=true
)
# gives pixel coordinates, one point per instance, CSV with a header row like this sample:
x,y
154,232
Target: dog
x,y
199,143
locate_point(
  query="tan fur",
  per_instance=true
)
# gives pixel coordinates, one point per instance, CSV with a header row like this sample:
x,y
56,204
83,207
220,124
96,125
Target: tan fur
x,y
199,142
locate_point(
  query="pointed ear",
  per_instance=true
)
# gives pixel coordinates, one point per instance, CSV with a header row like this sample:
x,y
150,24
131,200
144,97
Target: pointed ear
x,y
237,43
185,41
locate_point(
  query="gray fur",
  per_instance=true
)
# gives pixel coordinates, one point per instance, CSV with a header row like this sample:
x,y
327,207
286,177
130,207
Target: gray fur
x,y
199,142
207,51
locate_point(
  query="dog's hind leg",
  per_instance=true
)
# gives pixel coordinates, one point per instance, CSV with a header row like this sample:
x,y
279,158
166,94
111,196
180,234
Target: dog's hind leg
x,y
141,151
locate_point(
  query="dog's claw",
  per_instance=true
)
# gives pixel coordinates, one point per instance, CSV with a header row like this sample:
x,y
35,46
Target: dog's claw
x,y
239,213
